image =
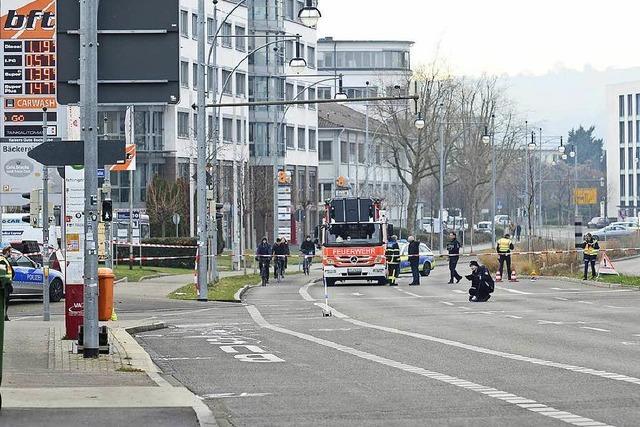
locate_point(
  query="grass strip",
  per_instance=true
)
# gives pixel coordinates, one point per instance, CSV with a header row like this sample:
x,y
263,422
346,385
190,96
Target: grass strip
x,y
223,290
135,274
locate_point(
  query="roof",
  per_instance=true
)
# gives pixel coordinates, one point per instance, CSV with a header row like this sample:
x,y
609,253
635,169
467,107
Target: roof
x,y
332,40
338,116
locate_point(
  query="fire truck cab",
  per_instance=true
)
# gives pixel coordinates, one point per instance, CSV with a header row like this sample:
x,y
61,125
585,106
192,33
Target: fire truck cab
x,y
354,236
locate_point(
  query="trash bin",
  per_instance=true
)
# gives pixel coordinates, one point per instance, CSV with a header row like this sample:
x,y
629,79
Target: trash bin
x,y
5,281
105,295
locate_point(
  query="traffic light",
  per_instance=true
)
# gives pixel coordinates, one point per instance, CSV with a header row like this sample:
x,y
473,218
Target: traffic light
x,y
107,210
33,208
284,177
341,182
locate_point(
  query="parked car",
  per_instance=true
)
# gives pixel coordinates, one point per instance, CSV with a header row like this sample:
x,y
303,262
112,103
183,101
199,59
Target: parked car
x,y
431,225
598,222
426,263
483,227
502,220
27,280
632,225
612,231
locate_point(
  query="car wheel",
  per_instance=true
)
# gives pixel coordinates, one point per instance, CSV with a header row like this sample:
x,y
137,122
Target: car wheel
x,y
426,269
56,291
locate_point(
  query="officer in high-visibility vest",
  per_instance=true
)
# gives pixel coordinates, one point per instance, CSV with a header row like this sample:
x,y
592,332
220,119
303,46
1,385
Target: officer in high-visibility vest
x,y
591,247
504,248
7,270
393,260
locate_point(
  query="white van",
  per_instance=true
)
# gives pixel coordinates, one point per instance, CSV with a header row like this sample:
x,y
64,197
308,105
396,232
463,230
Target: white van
x,y
16,230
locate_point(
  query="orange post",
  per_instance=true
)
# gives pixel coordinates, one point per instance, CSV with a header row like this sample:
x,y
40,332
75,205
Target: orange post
x,y
105,293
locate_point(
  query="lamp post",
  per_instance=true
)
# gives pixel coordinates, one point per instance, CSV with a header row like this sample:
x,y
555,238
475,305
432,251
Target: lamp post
x,y
490,139
574,154
531,146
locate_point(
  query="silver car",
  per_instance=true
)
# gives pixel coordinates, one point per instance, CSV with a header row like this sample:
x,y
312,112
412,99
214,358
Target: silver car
x,y
612,231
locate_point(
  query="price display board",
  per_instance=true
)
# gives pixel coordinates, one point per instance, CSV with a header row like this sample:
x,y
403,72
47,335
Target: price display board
x,y
27,85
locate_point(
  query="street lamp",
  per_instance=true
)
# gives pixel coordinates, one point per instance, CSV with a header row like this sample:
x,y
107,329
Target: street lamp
x,y
419,123
486,139
532,144
564,156
561,147
309,14
340,94
298,63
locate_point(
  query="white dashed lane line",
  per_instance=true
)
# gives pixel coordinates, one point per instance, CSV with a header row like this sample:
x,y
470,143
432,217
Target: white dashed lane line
x,y
561,299
595,329
512,316
521,402
513,291
447,302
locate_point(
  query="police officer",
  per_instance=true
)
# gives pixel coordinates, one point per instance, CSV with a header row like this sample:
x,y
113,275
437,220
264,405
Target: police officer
x,y
504,248
414,260
453,248
8,289
393,259
482,284
591,247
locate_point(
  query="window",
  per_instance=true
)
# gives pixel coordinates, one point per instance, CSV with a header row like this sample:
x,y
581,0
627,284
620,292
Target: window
x,y
324,93
629,105
289,91
621,105
194,26
195,125
325,153
289,10
239,127
210,129
290,136
622,159
630,131
184,74
210,80
622,182
288,50
361,156
352,152
195,75
378,154
631,185
211,31
637,130
630,158
184,23
241,42
299,7
226,35
311,57
241,87
621,132
183,125
311,93
300,90
302,143
312,139
148,129
227,129
344,154
226,81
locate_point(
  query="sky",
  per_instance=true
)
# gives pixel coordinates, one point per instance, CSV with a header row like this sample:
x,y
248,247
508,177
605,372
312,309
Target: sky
x,y
496,36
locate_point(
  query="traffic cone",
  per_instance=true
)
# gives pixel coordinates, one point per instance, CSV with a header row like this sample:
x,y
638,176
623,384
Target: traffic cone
x,y
114,316
514,276
498,277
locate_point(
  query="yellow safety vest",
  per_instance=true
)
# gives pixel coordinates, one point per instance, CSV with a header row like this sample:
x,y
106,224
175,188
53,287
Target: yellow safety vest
x,y
8,267
504,245
590,250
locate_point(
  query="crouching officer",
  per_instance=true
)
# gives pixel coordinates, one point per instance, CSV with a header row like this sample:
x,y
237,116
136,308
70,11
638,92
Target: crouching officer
x,y
393,259
482,284
6,276
504,248
591,247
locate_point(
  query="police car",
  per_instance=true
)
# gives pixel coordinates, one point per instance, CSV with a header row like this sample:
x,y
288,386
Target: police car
x,y
426,263
27,279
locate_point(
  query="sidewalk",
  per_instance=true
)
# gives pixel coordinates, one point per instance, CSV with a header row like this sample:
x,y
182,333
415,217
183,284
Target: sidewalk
x,y
44,383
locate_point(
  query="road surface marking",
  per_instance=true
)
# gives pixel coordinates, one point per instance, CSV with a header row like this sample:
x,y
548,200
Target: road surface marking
x,y
410,293
566,289
514,291
614,306
458,291
561,299
477,349
585,302
332,330
447,303
512,316
629,343
594,329
186,358
522,402
357,294
304,292
227,395
636,335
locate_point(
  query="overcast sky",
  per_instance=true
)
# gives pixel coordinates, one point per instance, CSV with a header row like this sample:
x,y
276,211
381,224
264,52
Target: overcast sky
x,y
496,36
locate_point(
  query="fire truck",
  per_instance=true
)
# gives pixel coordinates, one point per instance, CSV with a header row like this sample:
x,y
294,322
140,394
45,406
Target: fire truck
x,y
354,235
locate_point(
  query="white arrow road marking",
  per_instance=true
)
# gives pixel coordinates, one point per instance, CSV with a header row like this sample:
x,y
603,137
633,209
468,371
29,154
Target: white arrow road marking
x,y
522,402
594,329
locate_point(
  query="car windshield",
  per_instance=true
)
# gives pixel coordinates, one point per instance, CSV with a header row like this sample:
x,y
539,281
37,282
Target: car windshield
x,y
353,234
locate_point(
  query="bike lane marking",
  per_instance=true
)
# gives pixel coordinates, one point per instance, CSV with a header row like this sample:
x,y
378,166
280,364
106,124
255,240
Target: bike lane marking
x,y
522,402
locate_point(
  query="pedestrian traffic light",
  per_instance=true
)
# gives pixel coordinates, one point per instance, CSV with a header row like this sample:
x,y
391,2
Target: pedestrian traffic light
x,y
107,210
33,208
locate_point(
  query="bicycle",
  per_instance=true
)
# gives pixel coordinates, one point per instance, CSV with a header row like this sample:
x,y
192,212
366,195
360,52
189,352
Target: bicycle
x,y
279,267
306,263
264,272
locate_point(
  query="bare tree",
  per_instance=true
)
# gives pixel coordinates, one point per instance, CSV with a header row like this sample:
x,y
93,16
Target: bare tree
x,y
165,198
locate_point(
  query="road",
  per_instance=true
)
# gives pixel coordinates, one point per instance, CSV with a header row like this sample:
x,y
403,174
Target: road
x,y
538,353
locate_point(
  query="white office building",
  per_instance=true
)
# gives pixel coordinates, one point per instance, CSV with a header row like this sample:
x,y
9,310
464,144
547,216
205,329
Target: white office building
x,y
621,142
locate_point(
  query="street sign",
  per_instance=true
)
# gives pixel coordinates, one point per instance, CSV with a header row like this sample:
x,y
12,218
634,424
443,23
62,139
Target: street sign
x,y
129,163
122,215
176,218
586,196
138,53
69,153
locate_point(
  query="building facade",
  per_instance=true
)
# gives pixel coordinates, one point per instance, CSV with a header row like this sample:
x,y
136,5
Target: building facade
x,y
622,141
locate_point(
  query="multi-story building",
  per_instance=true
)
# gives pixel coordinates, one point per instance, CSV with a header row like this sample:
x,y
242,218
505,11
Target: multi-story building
x,y
622,142
345,150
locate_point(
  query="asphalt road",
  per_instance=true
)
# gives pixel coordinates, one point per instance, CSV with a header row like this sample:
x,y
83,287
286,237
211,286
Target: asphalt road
x,y
538,353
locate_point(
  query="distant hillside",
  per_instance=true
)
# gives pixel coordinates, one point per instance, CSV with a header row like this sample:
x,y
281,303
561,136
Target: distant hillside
x,y
564,98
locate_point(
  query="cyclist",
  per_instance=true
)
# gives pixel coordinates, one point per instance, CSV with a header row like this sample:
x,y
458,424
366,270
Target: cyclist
x,y
263,256
308,249
279,252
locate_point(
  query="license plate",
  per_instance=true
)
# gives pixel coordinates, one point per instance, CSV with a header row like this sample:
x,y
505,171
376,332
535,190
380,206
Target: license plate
x,y
354,270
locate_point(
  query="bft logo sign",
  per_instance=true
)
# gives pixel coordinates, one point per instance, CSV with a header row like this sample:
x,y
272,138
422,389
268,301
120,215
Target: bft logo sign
x,y
29,21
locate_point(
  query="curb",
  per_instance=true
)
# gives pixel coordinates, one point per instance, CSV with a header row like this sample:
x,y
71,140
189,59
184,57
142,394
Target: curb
x,y
145,328
240,293
591,283
152,276
123,280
